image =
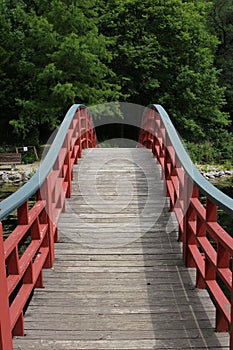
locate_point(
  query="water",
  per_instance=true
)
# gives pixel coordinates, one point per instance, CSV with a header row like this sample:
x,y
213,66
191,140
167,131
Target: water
x,y
226,186
6,189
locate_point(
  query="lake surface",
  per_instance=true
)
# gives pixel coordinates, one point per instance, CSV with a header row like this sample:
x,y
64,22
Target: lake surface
x,y
7,189
226,186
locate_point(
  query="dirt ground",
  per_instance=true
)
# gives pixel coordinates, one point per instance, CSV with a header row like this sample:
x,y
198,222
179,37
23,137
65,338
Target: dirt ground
x,y
24,167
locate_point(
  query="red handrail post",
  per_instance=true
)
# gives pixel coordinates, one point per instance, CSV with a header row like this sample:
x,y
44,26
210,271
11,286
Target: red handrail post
x,y
69,167
211,216
183,198
79,141
23,214
188,237
87,128
231,324
5,327
211,211
46,192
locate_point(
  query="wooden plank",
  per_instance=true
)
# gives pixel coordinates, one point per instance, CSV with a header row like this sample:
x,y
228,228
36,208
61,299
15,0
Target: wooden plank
x,y
175,319
119,335
103,344
114,322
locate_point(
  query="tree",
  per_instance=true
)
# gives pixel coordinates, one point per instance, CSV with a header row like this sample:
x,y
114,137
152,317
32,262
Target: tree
x,y
154,51
11,49
63,61
164,53
221,19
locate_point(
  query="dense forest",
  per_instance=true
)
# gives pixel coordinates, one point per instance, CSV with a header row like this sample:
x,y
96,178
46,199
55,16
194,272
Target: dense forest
x,y
178,53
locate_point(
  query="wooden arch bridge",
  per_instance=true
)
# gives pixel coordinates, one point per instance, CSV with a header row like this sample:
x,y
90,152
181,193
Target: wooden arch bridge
x,y
116,248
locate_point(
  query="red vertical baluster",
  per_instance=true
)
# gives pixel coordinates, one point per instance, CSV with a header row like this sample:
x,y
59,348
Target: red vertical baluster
x,y
162,147
201,232
231,325
223,261
80,136
23,214
43,220
188,237
211,216
86,144
47,195
5,327
18,329
183,196
211,211
69,168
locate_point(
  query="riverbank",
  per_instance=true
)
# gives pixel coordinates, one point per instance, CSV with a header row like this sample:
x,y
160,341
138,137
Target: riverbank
x,y
214,172
21,174
221,178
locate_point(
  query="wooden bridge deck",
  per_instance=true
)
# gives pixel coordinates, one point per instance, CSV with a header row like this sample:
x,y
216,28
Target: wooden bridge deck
x,y
119,281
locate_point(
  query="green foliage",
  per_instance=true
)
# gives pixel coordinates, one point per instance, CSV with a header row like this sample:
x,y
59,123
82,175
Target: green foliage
x,y
164,53
28,158
60,60
221,19
56,53
7,148
228,164
201,152
207,151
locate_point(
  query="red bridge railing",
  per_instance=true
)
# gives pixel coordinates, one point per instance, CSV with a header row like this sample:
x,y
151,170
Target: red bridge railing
x,y
30,246
206,245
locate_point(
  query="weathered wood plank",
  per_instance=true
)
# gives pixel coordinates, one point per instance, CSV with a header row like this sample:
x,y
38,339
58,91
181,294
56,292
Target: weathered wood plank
x,y
175,320
138,334
102,344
